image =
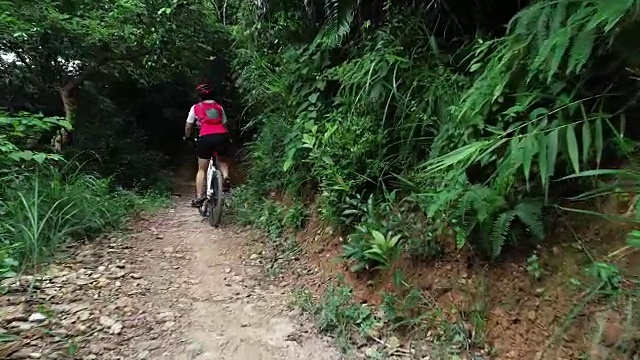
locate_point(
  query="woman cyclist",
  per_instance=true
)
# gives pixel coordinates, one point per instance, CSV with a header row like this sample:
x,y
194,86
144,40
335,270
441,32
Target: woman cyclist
x,y
213,138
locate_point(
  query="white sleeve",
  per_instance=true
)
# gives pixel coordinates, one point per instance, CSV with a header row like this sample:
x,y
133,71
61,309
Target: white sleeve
x,y
224,117
191,118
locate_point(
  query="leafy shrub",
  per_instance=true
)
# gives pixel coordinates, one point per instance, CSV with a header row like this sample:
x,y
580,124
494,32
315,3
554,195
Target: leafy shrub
x,y
47,207
371,249
471,130
22,131
46,201
249,208
337,313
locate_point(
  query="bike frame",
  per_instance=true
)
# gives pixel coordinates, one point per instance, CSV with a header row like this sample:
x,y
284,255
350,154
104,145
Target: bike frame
x,y
210,176
213,199
210,171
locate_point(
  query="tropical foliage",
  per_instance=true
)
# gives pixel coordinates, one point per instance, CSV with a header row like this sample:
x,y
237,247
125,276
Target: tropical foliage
x,y
469,124
118,74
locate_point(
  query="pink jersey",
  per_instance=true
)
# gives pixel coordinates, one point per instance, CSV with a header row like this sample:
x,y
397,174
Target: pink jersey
x,y
210,116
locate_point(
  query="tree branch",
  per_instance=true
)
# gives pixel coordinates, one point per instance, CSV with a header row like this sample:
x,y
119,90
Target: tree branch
x,y
78,80
90,68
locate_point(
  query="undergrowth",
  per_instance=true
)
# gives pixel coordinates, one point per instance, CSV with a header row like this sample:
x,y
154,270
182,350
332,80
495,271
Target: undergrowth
x,y
336,313
437,149
279,223
46,201
419,133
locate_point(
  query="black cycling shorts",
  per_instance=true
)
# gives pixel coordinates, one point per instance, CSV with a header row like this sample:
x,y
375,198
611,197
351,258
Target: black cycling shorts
x,y
212,143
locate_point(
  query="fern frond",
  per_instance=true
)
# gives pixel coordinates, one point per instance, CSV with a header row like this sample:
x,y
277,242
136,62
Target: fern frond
x,y
340,15
543,40
499,233
529,212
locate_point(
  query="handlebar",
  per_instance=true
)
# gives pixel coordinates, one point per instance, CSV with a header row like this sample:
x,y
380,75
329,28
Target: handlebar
x,y
191,139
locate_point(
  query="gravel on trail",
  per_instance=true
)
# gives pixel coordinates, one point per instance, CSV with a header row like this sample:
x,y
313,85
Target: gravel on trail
x,y
171,288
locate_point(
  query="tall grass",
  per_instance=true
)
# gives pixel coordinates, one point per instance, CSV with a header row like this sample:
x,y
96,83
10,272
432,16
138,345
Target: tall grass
x,y
46,207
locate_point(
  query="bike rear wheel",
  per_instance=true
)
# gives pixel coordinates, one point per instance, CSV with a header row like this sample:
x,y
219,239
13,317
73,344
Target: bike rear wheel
x,y
214,203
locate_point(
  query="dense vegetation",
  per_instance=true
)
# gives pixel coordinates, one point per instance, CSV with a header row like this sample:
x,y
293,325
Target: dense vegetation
x,y
93,99
417,124
423,129
413,128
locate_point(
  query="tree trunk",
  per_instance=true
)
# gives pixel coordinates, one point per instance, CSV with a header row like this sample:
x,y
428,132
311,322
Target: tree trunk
x,y
67,95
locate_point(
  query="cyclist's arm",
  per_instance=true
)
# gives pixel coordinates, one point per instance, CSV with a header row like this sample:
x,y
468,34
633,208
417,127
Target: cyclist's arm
x,y
191,119
224,116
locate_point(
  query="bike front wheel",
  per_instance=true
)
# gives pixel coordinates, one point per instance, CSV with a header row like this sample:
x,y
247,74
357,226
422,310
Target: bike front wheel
x,y
214,204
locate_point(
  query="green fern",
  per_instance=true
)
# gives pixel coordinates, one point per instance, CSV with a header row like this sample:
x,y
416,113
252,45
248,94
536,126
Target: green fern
x,y
339,16
543,40
498,237
528,212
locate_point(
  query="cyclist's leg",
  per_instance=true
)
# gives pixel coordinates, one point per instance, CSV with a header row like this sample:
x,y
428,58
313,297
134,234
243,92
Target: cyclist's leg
x,y
222,150
204,150
203,166
223,164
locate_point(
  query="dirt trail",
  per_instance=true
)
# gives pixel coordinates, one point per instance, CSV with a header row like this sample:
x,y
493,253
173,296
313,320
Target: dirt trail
x,y
174,288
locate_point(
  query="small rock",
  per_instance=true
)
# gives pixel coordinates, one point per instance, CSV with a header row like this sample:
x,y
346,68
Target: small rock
x,y
37,317
78,307
144,354
24,353
21,325
531,315
35,355
150,345
95,348
135,276
13,313
79,329
166,316
393,342
253,256
84,315
61,308
106,321
227,270
116,328
370,352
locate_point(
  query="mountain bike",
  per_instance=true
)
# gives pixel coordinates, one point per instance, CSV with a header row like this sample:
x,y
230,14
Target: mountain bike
x,y
211,208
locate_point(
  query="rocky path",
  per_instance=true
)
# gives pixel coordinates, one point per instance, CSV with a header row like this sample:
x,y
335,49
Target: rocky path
x,y
172,288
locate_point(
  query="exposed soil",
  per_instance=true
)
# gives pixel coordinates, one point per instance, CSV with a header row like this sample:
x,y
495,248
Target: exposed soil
x,y
524,317
171,288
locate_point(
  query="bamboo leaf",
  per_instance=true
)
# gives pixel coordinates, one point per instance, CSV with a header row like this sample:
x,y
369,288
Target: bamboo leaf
x,y
586,140
599,140
528,153
543,163
552,152
599,172
572,148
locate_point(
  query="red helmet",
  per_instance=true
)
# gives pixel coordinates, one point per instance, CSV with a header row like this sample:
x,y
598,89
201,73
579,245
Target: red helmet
x,y
204,89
